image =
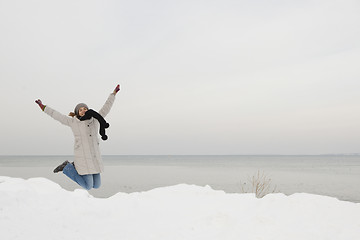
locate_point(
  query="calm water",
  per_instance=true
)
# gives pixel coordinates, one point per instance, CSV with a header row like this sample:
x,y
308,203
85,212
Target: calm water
x,y
336,176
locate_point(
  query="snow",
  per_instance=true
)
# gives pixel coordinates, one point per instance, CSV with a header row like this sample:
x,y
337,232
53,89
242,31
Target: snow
x,y
38,208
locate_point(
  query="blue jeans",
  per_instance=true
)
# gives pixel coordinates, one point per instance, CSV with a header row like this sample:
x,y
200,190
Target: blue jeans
x,y
87,181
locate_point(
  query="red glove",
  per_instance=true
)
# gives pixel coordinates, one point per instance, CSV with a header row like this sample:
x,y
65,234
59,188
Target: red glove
x,y
40,104
117,89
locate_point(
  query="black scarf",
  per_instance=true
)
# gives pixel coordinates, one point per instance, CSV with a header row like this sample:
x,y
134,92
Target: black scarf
x,y
103,124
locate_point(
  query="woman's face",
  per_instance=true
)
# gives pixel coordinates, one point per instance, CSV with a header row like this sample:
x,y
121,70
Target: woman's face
x,y
82,111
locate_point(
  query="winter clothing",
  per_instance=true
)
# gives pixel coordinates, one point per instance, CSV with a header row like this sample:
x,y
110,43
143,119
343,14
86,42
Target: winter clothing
x,y
87,158
61,167
103,124
40,104
117,88
87,181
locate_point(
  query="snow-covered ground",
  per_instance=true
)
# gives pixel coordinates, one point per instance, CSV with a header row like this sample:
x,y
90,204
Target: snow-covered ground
x,y
38,208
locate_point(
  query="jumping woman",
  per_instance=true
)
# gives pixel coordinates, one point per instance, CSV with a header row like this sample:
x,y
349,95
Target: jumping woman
x,y
85,125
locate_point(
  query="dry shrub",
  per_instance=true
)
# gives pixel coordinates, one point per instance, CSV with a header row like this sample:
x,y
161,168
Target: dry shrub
x,y
259,183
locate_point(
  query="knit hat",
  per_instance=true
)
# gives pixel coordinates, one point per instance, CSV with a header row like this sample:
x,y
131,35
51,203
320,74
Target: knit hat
x,y
77,108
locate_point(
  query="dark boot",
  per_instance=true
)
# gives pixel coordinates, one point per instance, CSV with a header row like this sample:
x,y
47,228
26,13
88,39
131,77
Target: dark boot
x,y
61,167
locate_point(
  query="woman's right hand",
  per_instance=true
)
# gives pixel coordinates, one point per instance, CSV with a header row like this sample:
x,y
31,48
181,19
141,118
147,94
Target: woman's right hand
x,y
41,105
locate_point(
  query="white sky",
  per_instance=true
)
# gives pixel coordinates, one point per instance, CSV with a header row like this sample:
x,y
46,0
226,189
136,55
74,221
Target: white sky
x,y
197,77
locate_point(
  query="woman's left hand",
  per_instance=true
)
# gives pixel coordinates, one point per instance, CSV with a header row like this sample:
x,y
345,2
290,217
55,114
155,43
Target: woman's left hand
x,y
117,89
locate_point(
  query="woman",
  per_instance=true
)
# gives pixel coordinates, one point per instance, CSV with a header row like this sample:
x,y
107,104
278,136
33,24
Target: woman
x,y
87,165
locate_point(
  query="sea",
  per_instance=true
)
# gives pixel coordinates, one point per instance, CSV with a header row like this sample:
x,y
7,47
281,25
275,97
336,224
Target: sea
x,y
330,175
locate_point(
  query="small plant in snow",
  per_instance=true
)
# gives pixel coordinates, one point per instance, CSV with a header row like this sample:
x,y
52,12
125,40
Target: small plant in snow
x,y
259,183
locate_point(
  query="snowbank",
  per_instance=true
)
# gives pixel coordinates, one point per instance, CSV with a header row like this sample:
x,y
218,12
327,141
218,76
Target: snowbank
x,y
40,209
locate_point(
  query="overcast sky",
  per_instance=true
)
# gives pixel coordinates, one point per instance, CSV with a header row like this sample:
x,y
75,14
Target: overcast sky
x,y
197,77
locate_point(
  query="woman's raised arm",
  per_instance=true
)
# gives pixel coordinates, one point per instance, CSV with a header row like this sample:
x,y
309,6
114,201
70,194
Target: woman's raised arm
x,y
54,114
109,102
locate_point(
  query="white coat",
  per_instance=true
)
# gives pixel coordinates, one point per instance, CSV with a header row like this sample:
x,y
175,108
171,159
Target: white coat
x,y
87,157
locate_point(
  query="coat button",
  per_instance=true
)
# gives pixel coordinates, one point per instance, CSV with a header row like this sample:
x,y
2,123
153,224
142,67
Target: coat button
x,y
90,135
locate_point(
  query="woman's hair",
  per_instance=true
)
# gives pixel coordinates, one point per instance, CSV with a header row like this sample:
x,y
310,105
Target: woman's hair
x,y
72,114
76,110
